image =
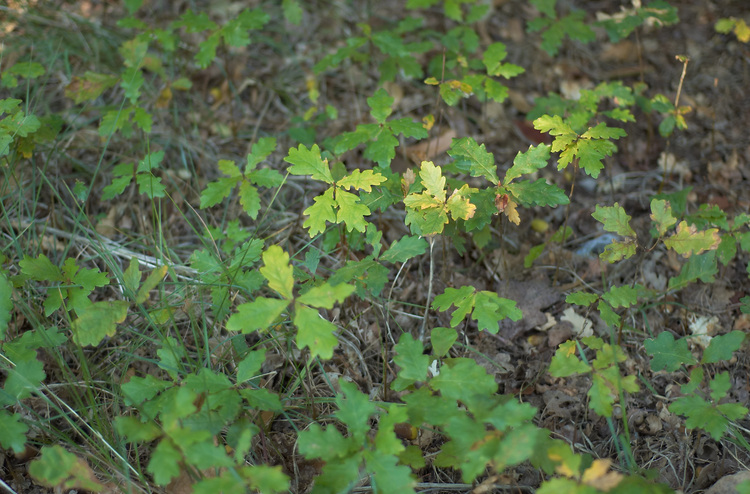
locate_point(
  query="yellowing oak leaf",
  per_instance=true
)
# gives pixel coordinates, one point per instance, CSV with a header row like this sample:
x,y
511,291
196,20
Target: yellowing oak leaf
x,y
433,180
422,201
689,241
459,206
361,180
599,476
511,211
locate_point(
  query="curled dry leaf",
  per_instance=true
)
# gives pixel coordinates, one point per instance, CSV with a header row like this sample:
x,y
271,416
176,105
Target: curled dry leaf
x,y
428,150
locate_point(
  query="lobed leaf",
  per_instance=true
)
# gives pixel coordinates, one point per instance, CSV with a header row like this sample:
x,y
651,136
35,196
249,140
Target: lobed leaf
x,y
529,162
703,415
260,151
387,475
408,127
278,271
555,126
351,211
320,213
361,180
264,478
380,104
39,269
309,162
462,298
618,250
702,267
382,149
314,332
58,468
490,309
601,131
482,162
565,362
621,296
433,180
614,219
12,432
442,339
325,295
259,314
689,241
249,199
582,298
463,377
667,353
405,248
537,193
459,206
99,320
661,215
722,347
165,462
412,362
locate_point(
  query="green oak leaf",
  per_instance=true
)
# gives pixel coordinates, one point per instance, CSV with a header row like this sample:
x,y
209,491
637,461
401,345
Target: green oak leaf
x,y
387,475
382,149
412,361
490,309
100,319
256,315
380,104
12,432
582,298
326,444
442,339
722,347
408,127
661,215
701,267
463,377
308,162
165,462
405,248
351,211
320,213
314,332
325,295
361,180
354,410
537,193
621,296
529,162
249,199
482,162
260,151
493,57
614,219
566,363
703,415
555,126
667,353
462,298
601,131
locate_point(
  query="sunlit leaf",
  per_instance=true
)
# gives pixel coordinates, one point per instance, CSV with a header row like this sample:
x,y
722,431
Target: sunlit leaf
x,y
278,271
314,332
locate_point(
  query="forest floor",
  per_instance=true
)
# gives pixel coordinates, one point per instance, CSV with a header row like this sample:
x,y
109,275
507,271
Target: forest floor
x,y
264,94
